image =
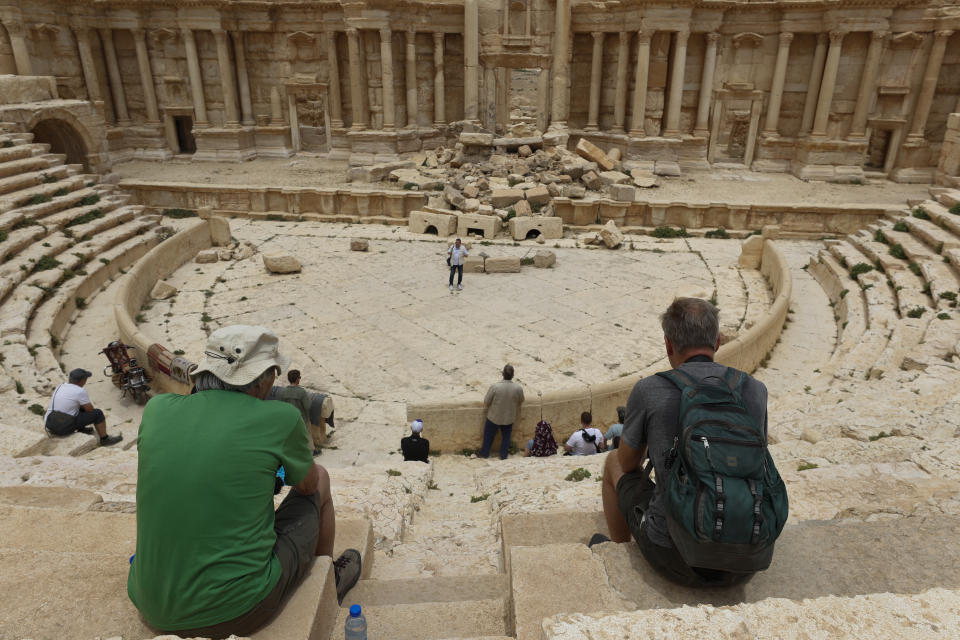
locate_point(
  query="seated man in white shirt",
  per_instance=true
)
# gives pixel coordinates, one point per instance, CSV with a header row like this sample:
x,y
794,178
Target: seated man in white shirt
x,y
588,440
71,410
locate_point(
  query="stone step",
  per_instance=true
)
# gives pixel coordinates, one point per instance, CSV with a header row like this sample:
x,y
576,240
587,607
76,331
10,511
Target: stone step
x,y
424,590
942,280
22,162
941,216
915,250
26,180
431,621
909,289
113,480
13,212
931,234
22,197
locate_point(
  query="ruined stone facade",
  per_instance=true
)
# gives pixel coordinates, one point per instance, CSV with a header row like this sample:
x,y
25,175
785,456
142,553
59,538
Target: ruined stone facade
x,y
822,91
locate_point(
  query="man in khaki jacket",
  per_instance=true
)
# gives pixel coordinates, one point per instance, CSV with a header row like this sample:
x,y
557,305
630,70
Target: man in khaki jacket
x,y
501,407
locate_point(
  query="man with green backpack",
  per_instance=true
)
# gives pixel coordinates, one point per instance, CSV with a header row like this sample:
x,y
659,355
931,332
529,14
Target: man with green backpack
x,y
718,503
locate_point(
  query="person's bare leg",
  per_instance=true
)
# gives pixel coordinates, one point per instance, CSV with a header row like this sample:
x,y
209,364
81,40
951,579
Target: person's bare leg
x,y
328,521
101,428
616,523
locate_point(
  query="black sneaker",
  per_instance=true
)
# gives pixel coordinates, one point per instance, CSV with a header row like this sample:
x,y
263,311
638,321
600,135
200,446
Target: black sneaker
x,y
317,452
106,441
85,430
598,538
346,570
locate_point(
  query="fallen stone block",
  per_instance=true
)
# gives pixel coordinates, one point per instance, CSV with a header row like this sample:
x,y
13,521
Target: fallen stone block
x,y
470,205
593,153
454,197
501,198
573,191
613,177
522,208
544,259
666,168
611,235
751,252
244,251
644,179
359,244
486,226
207,256
376,172
163,290
473,264
476,139
592,181
225,254
614,154
281,263
408,177
542,227
471,191
220,231
442,224
623,192
502,264
538,195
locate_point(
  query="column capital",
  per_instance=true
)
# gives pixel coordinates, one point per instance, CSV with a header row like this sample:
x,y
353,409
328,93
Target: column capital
x,y
106,32
712,37
786,37
14,28
821,38
625,36
682,37
411,30
187,33
438,37
644,35
879,35
836,36
597,35
219,34
351,32
386,34
944,33
82,33
139,34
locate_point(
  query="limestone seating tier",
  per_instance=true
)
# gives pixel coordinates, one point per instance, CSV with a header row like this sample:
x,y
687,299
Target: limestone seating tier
x,y
30,171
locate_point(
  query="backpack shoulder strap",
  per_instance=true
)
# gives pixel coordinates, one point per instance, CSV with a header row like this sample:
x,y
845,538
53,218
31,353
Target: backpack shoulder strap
x,y
679,379
735,379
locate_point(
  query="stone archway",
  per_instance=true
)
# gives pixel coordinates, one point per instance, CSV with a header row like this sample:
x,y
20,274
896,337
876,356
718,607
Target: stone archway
x,y
63,138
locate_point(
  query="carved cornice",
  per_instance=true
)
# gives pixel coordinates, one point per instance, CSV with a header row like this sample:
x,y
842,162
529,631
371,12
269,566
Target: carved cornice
x,y
157,36
301,38
747,39
45,30
906,39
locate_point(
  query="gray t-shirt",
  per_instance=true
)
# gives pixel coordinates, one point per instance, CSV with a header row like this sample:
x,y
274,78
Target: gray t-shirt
x,y
653,411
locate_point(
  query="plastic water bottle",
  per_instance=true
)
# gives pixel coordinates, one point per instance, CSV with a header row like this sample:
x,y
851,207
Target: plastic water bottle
x,y
356,627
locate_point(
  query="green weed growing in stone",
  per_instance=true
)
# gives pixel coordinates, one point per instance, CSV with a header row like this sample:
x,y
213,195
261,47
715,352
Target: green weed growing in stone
x,y
915,269
882,434
717,233
37,409
19,386
479,498
896,250
955,209
943,316
806,466
179,213
916,312
393,473
860,268
921,213
577,475
670,232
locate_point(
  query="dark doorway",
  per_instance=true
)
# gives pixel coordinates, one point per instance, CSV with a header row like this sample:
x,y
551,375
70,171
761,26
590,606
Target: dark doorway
x,y
185,139
431,230
533,234
63,138
877,149
478,232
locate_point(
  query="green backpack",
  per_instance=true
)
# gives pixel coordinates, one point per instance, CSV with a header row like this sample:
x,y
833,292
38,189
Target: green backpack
x,y
724,499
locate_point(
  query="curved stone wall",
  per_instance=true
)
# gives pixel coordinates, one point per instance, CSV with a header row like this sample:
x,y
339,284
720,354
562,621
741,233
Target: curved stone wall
x,y
459,424
168,371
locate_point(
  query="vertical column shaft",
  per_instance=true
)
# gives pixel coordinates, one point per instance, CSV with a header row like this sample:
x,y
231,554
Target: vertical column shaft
x,y
471,58
922,111
18,43
333,86
620,99
116,82
676,84
813,83
828,84
231,115
706,85
561,66
356,89
146,75
196,79
596,73
439,108
386,78
868,85
411,78
243,79
776,90
640,84
87,64
488,115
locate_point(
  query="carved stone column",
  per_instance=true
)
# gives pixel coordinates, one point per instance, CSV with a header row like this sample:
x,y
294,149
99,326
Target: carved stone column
x,y
560,100
18,43
356,89
620,99
828,84
471,59
146,75
386,79
411,78
596,73
706,86
231,115
676,85
439,107
243,79
87,64
640,84
776,90
333,85
922,110
813,84
116,82
868,85
196,79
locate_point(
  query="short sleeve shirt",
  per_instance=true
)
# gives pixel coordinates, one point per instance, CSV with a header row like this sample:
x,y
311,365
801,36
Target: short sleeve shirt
x,y
653,412
457,255
205,516
580,446
68,398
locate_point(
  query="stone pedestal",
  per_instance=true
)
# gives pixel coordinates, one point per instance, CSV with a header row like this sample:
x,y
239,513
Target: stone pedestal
x,y
915,163
774,153
235,144
370,145
273,141
148,141
948,167
832,160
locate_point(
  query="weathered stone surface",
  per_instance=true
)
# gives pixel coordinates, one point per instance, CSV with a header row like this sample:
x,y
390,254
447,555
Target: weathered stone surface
x,y
500,198
544,259
592,181
163,290
454,197
667,168
471,191
751,251
524,151
244,251
207,256
477,139
359,244
473,264
644,179
470,205
220,231
611,235
590,151
522,208
623,192
225,254
538,195
573,191
614,154
502,264
281,263
613,177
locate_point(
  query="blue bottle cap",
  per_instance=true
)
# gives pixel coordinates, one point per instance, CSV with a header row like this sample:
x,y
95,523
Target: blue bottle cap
x,y
132,557
354,611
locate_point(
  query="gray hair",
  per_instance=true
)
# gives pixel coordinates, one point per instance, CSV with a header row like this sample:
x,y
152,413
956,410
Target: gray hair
x,y
206,381
691,323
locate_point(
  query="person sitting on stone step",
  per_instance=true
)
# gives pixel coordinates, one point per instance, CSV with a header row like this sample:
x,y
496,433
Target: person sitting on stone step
x,y
543,444
213,558
296,395
71,410
586,440
414,447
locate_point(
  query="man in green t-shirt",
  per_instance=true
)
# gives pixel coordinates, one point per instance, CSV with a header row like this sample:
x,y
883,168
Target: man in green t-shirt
x,y
213,558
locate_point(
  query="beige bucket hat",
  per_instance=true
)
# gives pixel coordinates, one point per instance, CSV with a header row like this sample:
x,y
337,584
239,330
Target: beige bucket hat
x,y
238,354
